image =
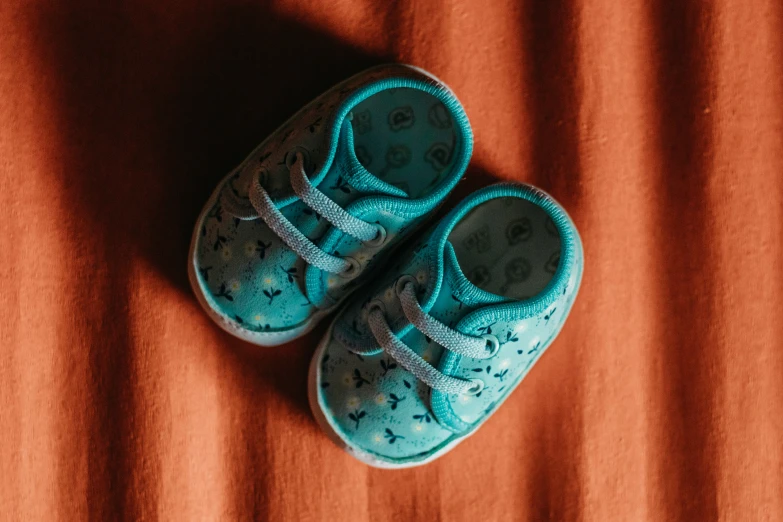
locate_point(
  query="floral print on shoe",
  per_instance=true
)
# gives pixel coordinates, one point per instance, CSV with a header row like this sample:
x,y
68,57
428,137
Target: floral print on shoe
x,y
312,213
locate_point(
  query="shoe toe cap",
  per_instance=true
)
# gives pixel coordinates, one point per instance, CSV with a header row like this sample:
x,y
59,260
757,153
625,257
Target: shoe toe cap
x,y
377,410
245,276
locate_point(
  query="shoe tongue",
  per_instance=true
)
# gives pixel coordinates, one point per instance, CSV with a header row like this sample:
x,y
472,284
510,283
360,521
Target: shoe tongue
x,y
354,173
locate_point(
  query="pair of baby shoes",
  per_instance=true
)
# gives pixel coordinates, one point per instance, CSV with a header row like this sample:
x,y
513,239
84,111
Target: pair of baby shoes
x,y
433,335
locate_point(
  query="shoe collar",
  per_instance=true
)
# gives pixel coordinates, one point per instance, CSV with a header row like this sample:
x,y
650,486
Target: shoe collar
x,y
440,260
386,198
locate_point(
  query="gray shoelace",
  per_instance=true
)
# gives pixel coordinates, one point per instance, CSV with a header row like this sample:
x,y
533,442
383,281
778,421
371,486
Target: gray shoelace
x,y
323,206
476,347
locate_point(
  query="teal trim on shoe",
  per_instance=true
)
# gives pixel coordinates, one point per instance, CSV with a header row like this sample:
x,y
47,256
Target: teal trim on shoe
x,y
507,312
563,223
404,208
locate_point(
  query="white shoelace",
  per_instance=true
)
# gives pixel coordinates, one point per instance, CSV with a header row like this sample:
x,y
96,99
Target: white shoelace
x,y
482,347
321,204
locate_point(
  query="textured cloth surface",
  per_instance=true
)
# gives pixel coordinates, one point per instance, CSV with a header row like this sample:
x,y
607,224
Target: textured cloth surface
x,y
657,125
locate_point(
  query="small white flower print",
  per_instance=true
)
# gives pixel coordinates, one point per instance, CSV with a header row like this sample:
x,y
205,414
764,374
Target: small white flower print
x,y
380,399
225,253
353,403
377,438
505,363
347,379
421,277
250,249
235,285
418,427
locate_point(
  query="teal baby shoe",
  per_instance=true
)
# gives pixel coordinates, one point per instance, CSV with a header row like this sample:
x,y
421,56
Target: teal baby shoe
x,y
417,362
316,208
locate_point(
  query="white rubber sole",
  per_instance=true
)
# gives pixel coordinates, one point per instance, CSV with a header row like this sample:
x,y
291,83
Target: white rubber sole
x,y
331,430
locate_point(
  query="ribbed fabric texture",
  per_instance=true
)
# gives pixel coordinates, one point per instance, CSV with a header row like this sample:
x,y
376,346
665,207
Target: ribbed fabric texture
x,y
412,361
328,209
292,236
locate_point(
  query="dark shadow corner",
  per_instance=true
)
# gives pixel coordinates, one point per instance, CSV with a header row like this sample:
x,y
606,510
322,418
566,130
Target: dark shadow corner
x,y
155,105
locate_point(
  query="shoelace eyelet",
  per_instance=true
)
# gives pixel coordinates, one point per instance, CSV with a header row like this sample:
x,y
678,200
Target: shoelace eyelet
x,y
493,345
399,286
379,239
376,304
477,387
352,270
290,158
263,176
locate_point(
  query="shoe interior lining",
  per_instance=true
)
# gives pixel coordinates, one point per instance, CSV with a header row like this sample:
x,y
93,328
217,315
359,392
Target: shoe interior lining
x,y
507,246
406,137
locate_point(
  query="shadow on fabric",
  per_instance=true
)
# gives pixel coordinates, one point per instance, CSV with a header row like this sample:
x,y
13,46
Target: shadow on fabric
x,y
154,107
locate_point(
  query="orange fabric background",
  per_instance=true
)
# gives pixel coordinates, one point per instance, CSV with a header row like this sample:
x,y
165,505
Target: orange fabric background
x,y
658,125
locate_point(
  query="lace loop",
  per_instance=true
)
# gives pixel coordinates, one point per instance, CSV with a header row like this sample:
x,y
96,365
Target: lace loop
x,y
290,235
412,361
323,206
450,339
458,342
326,208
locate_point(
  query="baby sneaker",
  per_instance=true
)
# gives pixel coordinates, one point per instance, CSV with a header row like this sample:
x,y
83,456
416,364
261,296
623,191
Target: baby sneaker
x,y
421,359
316,208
